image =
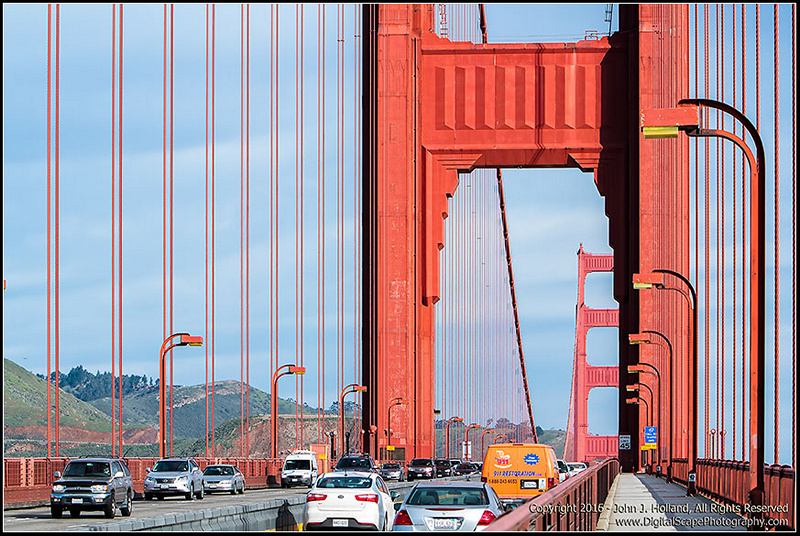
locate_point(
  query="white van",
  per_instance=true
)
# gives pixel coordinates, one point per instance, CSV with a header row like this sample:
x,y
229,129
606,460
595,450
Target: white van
x,y
299,468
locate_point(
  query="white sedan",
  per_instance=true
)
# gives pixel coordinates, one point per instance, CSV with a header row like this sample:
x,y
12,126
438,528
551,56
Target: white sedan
x,y
349,500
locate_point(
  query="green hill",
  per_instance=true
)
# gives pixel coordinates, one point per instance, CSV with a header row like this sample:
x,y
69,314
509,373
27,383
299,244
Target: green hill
x,y
25,403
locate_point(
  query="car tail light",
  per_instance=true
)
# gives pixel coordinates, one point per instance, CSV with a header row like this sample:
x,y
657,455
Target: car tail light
x,y
367,497
402,518
316,497
486,518
551,482
483,479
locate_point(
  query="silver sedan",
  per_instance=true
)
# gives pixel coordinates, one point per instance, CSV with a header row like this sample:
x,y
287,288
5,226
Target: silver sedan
x,y
223,477
467,506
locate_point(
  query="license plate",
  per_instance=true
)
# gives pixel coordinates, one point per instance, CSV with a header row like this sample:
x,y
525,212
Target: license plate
x,y
529,484
340,523
164,486
77,501
444,524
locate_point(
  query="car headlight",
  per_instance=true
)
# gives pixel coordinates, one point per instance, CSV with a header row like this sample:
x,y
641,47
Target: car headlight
x,y
58,488
100,488
149,479
182,479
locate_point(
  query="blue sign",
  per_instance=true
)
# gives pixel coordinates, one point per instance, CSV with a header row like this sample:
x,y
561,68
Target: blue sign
x,y
650,435
531,459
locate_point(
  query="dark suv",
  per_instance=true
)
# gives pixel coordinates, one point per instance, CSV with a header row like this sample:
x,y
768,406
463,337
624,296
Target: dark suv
x,y
92,484
421,468
358,462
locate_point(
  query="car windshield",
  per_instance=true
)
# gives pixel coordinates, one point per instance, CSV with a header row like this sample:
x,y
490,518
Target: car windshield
x,y
391,466
448,496
421,462
218,471
351,463
353,482
165,466
87,469
297,464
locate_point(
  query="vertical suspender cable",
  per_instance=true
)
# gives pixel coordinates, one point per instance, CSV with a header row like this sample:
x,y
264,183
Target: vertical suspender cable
x,y
247,246
733,237
56,285
744,242
119,281
205,228
706,247
164,198
113,222
171,219
213,222
719,202
320,248
776,134
241,235
722,204
794,233
49,232
300,199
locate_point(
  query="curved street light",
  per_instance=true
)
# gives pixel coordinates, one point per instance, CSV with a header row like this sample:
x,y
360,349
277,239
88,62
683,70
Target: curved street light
x,y
487,431
185,340
466,436
290,369
396,401
450,421
645,337
656,280
499,436
687,118
352,388
639,369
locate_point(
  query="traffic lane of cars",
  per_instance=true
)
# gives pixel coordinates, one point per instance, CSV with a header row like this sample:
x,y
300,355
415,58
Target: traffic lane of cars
x,y
39,519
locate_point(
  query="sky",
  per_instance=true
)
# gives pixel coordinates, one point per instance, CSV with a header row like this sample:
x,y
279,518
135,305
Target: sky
x,y
550,211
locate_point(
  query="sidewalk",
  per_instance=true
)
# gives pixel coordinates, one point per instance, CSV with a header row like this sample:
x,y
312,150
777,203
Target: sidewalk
x,y
638,502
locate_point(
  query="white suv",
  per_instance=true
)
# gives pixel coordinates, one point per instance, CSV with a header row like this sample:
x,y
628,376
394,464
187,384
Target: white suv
x,y
174,476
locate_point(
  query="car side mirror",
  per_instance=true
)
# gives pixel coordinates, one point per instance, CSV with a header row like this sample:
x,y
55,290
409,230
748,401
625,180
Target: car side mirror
x,y
57,474
393,495
397,506
119,474
148,469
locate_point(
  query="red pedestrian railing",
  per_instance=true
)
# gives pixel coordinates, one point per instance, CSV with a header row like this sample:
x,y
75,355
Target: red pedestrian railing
x,y
28,480
573,505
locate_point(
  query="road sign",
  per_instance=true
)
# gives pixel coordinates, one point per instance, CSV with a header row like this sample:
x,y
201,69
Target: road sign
x,y
651,435
624,442
390,447
649,446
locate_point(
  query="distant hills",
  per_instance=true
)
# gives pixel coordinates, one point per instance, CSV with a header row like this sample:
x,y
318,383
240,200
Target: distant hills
x,y
85,425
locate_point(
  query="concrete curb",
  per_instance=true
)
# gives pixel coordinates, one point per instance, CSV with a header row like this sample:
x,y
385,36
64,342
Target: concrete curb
x,y
602,521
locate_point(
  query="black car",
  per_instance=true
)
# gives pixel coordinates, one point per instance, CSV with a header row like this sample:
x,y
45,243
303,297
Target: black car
x,y
421,468
358,462
443,468
465,468
92,484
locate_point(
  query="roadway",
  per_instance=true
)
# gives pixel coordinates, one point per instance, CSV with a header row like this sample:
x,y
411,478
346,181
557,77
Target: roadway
x,y
39,519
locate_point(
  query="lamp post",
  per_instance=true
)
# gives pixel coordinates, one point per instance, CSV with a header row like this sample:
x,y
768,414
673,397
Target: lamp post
x,y
499,436
450,421
636,401
396,401
656,280
687,118
652,407
332,435
487,431
645,337
466,437
185,340
287,369
638,369
352,388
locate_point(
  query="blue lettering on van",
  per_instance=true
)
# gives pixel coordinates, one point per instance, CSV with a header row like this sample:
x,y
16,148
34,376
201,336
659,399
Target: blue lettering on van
x,y
531,459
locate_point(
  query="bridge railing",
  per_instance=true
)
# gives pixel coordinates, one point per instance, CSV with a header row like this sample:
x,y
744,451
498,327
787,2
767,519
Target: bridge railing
x,y
728,481
29,480
573,505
